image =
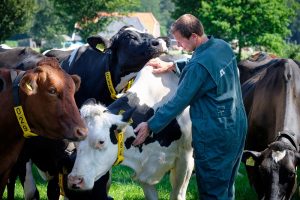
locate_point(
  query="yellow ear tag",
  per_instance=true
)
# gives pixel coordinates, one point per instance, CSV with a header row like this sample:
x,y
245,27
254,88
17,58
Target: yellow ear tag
x,y
100,47
250,162
28,86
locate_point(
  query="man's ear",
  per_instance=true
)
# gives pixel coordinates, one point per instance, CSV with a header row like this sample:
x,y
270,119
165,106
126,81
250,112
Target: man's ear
x,y
77,81
28,83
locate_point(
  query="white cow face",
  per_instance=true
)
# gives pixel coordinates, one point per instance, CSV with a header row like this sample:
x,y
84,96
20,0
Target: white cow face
x,y
98,152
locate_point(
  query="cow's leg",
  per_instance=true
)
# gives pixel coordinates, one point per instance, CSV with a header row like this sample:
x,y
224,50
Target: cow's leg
x,y
53,190
30,190
181,174
11,184
149,191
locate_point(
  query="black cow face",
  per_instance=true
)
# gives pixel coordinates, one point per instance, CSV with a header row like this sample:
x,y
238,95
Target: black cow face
x,y
133,49
273,171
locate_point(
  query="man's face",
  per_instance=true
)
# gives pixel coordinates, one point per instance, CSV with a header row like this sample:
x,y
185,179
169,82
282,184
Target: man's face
x,y
187,44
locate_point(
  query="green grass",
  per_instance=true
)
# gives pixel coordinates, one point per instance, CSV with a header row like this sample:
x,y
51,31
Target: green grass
x,y
124,188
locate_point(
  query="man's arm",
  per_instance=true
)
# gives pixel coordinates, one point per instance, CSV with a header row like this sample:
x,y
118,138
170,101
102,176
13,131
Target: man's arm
x,y
190,85
160,66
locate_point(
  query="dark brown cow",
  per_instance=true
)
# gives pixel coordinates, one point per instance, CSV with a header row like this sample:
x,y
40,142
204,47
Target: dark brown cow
x,y
272,101
20,58
254,64
46,94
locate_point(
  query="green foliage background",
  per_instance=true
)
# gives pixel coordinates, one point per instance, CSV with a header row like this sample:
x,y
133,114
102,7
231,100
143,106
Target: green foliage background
x,y
252,22
16,17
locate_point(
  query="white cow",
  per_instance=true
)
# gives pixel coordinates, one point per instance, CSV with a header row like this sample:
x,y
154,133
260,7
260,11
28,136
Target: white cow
x,y
150,161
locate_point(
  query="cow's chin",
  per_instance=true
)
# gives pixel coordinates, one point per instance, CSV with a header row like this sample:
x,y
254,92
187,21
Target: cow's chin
x,y
99,176
49,134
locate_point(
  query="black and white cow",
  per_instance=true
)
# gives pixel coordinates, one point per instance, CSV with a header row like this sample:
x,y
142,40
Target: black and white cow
x,y
169,150
126,52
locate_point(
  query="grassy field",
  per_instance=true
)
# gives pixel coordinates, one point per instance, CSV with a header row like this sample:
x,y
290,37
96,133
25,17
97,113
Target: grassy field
x,y
124,188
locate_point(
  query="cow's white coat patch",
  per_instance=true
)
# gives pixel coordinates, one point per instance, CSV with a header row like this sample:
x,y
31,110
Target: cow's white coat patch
x,y
29,184
278,155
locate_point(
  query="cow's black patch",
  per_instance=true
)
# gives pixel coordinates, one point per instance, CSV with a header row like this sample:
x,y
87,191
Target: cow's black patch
x,y
143,113
112,134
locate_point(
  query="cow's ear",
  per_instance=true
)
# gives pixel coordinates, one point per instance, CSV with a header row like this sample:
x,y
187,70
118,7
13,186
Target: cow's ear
x,y
167,40
250,158
28,83
90,101
98,43
77,81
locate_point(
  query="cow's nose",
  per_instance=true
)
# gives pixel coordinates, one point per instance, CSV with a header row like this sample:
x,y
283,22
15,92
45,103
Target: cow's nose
x,y
75,182
154,42
81,133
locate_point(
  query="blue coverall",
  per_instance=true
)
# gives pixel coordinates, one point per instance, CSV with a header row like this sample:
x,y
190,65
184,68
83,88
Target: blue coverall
x,y
209,83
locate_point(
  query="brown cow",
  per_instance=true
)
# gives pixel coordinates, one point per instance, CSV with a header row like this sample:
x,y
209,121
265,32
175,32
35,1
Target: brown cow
x,y
20,58
46,94
255,64
272,103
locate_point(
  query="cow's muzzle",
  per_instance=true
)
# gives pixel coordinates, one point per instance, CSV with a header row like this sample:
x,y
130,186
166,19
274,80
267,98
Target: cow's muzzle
x,y
75,182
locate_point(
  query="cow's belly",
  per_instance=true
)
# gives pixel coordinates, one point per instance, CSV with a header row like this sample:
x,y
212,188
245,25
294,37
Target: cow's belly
x,y
153,162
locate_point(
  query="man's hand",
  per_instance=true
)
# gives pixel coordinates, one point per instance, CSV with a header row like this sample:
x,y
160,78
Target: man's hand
x,y
143,132
160,66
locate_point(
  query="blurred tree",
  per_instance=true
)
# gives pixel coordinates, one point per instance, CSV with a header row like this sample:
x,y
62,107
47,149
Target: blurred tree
x,y
251,22
85,12
161,9
295,27
46,25
16,16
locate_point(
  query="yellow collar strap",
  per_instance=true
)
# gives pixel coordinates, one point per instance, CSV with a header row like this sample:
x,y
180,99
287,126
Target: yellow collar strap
x,y
129,84
111,88
61,181
23,122
16,78
120,138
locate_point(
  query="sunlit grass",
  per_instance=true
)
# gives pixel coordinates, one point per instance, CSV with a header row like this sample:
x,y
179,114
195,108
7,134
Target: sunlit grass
x,y
124,188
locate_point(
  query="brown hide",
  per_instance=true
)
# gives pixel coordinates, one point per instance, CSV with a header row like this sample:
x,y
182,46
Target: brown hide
x,y
46,94
255,64
20,58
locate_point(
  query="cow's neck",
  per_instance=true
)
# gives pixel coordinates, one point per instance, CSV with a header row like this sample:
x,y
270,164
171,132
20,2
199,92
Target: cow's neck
x,y
292,109
154,90
8,119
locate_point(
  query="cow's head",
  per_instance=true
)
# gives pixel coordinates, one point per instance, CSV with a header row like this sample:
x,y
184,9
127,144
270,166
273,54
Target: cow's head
x,y
99,150
47,95
273,171
130,49
20,58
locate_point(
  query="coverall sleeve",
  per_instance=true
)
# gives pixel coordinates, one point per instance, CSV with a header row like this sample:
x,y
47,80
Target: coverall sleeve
x,y
191,81
180,64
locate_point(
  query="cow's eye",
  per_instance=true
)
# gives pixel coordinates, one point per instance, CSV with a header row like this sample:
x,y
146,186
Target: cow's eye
x,y
52,90
132,37
291,174
99,144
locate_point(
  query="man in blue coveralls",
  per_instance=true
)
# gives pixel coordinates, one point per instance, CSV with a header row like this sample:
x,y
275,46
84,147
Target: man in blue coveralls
x,y
209,84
